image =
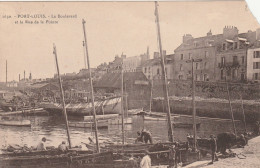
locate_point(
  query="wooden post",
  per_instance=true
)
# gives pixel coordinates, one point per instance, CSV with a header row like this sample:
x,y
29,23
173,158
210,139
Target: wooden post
x,y
91,88
193,101
62,95
164,78
151,95
122,104
231,111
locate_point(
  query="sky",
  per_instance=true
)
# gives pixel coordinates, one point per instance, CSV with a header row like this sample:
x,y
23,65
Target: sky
x,y
112,28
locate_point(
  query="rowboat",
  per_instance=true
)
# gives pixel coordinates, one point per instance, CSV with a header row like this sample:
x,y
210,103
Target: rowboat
x,y
134,111
14,122
101,117
154,118
89,124
184,125
118,121
27,111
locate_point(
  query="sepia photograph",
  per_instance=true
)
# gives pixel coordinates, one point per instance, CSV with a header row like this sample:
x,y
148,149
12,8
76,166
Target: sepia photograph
x,y
129,84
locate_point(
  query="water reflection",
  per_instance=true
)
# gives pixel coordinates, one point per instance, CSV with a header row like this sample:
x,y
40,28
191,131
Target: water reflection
x,y
53,128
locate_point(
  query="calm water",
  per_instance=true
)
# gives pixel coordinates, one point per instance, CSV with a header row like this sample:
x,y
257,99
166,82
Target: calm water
x,y
53,128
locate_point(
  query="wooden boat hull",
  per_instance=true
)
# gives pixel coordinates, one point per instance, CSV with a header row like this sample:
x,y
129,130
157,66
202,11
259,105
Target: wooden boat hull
x,y
22,123
29,111
110,106
101,117
118,121
60,160
85,124
184,125
147,118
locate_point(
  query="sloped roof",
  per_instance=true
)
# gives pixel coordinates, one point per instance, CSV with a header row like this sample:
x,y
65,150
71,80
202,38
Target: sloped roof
x,y
41,85
113,80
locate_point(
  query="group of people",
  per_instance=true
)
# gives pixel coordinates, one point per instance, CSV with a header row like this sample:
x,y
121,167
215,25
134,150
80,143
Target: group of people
x,y
42,147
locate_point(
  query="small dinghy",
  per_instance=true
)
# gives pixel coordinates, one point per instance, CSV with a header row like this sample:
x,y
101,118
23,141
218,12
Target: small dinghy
x,y
118,121
7,121
89,124
154,118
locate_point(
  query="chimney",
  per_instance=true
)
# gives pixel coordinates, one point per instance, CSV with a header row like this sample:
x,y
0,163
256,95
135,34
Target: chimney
x,y
30,77
19,77
209,33
186,37
147,53
24,75
258,34
156,55
230,32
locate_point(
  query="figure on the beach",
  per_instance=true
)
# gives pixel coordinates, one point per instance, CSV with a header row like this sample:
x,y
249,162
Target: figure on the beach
x,y
139,137
225,141
62,147
41,145
213,147
146,161
146,136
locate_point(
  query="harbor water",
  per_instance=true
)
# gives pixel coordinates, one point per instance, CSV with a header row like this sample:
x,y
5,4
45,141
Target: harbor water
x,y
53,128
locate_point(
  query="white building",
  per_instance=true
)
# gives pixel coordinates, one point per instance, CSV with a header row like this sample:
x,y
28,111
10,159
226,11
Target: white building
x,y
253,64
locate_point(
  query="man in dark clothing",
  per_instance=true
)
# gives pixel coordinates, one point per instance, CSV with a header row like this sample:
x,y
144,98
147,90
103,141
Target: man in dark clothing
x,y
146,136
139,137
213,147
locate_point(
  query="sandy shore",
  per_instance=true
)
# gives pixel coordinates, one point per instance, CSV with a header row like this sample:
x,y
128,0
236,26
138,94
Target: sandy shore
x,y
248,157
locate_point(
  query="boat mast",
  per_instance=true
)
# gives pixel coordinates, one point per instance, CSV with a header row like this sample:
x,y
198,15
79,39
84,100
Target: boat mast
x,y
193,101
231,111
164,78
151,95
6,72
62,95
91,87
84,51
242,106
122,104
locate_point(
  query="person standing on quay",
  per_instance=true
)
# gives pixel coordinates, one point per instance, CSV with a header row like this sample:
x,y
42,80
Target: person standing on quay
x,y
146,161
213,146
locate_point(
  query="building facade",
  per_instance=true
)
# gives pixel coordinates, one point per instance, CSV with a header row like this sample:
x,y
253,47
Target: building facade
x,y
253,64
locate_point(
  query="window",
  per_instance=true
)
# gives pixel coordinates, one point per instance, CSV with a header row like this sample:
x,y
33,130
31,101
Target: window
x,y
256,65
228,72
180,77
189,72
224,46
205,77
206,54
145,70
181,56
158,71
190,56
255,76
222,74
196,77
222,60
243,59
234,74
256,54
205,65
181,67
235,45
197,65
235,59
195,43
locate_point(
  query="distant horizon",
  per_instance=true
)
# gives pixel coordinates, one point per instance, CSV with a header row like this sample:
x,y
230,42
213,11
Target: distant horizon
x,y
112,28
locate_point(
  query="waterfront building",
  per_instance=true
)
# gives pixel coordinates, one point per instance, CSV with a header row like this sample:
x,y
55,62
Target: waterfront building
x,y
152,68
253,60
223,56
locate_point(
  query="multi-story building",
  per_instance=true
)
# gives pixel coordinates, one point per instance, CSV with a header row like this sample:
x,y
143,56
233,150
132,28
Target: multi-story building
x,y
253,64
253,60
133,64
196,48
152,68
232,55
223,56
